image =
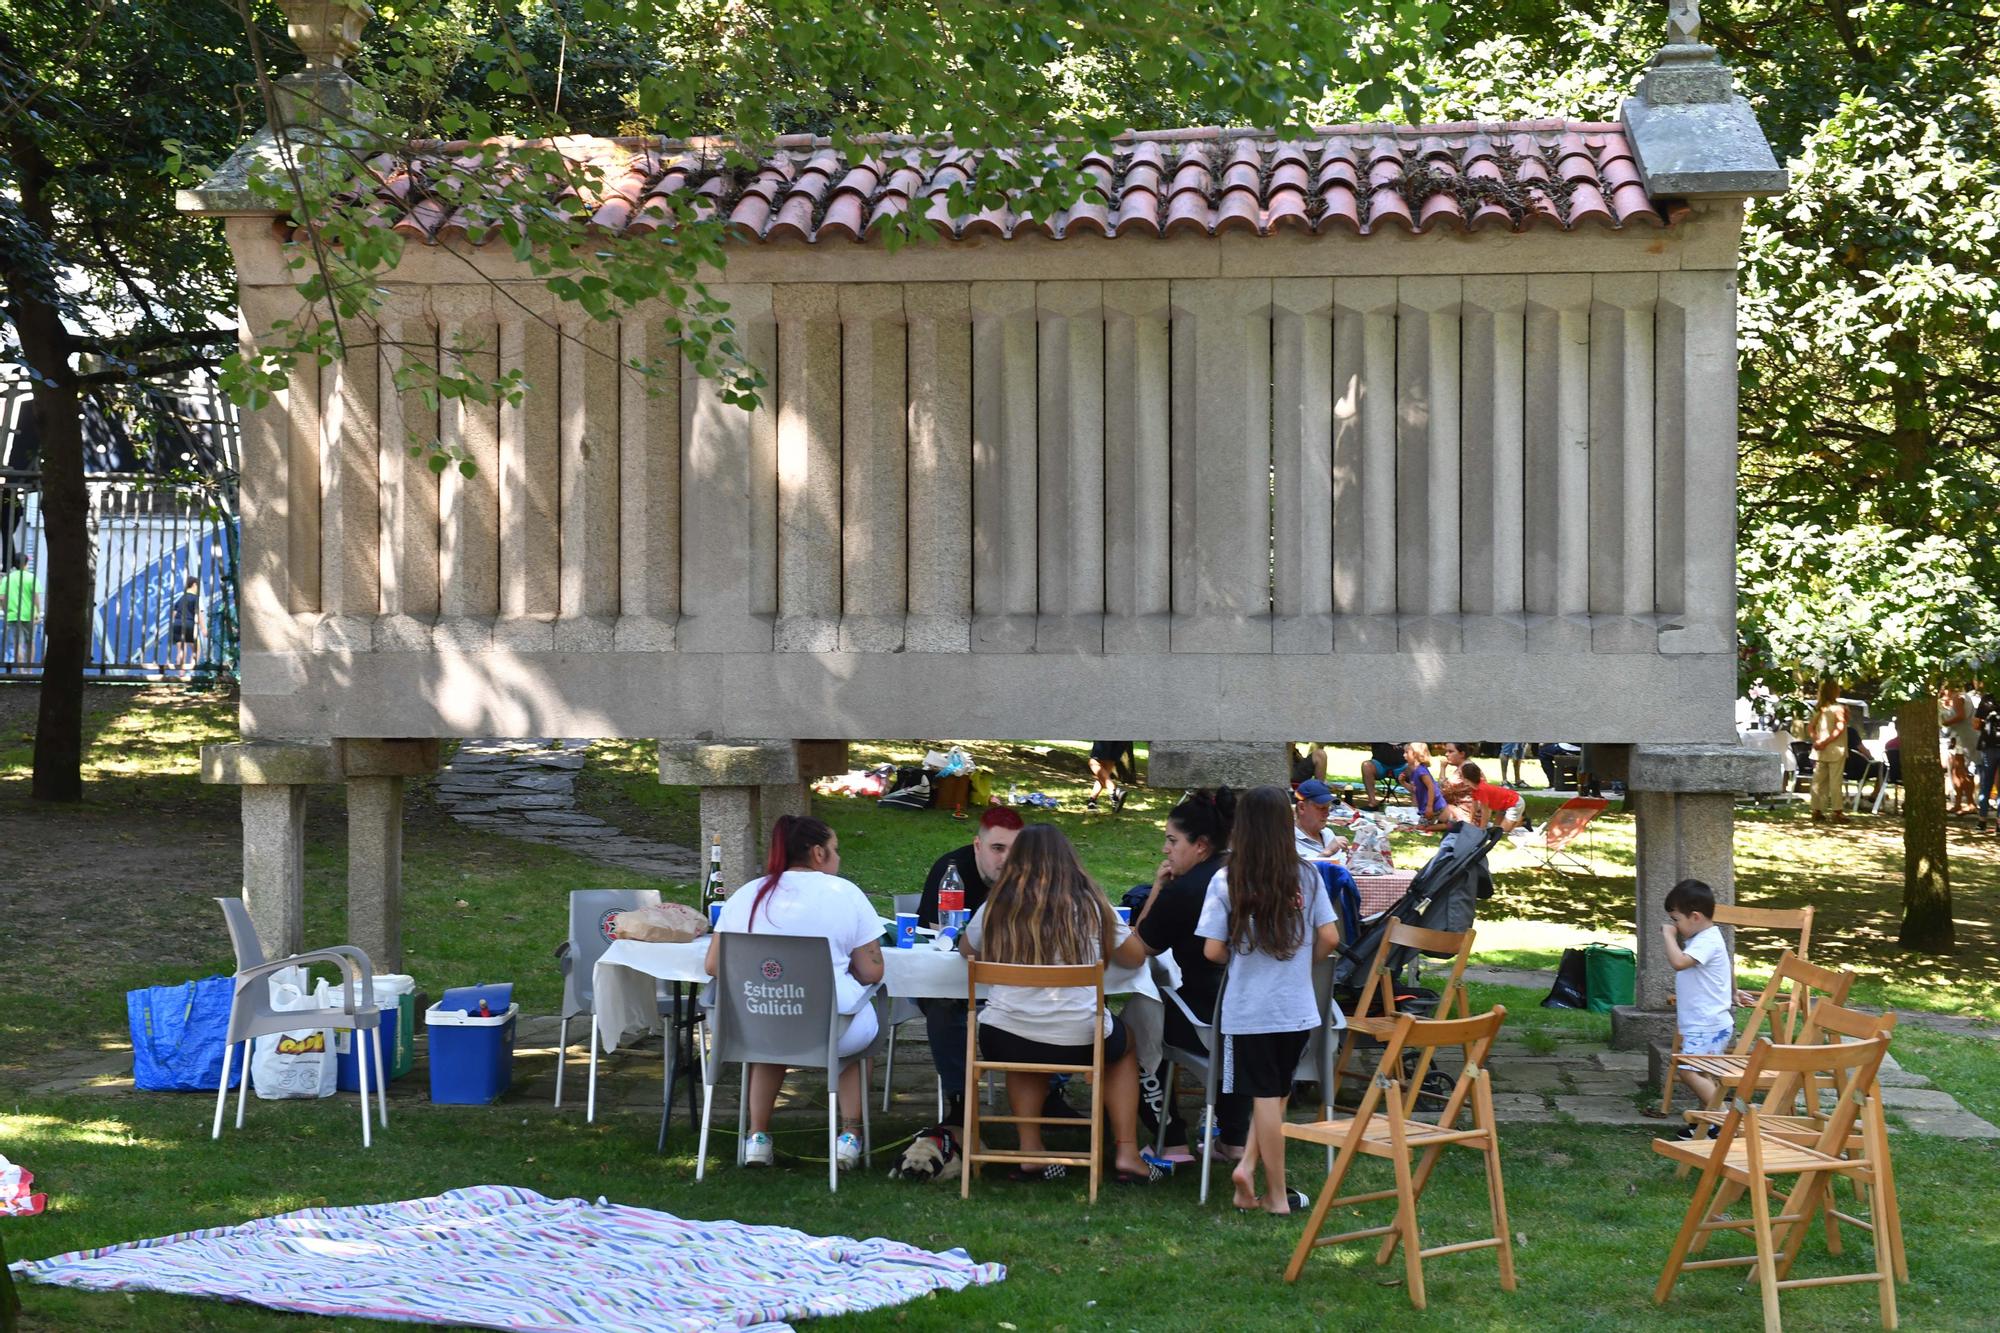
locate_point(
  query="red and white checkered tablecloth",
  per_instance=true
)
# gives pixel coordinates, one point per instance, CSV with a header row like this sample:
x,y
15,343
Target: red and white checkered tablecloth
x,y
1380,892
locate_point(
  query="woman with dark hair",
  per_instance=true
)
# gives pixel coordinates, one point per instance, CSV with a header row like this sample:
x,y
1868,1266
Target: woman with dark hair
x,y
1268,918
801,893
1197,841
1045,911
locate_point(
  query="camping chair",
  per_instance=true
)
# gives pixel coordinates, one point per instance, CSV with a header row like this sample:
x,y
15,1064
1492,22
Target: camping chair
x,y
1571,819
1383,1127
1793,982
1756,918
1747,1154
979,974
1316,1064
901,1010
806,1039
1835,1024
577,957
1379,993
251,1015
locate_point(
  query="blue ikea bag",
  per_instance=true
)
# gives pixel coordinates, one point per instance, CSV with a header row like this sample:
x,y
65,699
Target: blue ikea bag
x,y
177,1035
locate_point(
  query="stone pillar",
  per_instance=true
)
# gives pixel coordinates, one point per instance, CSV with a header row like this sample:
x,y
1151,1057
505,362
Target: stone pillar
x,y
375,771
745,786
1685,796
274,776
1237,764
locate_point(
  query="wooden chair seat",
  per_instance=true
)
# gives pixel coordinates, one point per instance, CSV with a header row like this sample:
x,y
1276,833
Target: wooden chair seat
x,y
1781,1153
1377,1138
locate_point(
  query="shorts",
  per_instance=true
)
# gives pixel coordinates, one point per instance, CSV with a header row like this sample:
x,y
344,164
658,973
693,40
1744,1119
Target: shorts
x,y
1262,1064
1712,1043
1109,752
1514,750
179,634
1394,771
997,1043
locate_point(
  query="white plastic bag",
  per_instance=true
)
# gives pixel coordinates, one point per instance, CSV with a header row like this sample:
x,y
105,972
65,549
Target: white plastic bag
x,y
293,1064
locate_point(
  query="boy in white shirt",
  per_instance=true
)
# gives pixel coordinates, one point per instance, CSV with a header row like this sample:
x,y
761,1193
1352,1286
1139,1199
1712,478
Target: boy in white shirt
x,y
1704,980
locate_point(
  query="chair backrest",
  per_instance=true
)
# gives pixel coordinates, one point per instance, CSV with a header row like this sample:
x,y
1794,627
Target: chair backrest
x,y
590,913
1571,818
1790,996
1457,945
1426,1037
242,933
1850,1066
1784,1023
775,1001
906,902
979,973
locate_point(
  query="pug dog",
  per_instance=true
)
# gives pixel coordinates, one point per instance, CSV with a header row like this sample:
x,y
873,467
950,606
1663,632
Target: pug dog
x,y
933,1155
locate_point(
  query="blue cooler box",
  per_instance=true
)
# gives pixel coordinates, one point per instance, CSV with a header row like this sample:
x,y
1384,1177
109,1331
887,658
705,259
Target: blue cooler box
x,y
472,1057
347,1076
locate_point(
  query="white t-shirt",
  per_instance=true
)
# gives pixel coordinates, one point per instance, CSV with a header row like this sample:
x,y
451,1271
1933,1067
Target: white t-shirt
x,y
807,902
1705,994
1313,847
1268,994
1055,1015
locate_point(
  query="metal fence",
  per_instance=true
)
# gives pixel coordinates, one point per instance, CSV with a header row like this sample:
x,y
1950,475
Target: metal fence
x,y
149,537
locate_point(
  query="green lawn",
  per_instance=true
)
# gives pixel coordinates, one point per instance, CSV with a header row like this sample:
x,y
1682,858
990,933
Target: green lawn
x,y
116,897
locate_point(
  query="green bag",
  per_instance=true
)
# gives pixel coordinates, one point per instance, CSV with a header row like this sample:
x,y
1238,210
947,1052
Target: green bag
x,y
1611,976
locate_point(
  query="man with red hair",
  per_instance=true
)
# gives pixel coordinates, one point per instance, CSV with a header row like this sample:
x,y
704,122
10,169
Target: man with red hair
x,y
978,867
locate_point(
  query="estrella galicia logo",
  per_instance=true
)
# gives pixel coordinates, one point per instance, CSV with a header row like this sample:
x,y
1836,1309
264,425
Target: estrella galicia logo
x,y
773,970
607,926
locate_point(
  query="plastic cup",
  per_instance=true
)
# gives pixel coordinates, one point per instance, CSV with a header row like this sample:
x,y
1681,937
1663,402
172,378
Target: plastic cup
x,y
714,916
1124,914
906,930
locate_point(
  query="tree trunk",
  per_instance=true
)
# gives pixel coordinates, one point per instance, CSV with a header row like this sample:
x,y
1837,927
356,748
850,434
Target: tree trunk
x,y
1927,925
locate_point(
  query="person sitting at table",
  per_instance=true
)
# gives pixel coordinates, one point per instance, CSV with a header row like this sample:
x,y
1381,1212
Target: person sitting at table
x,y
979,864
1423,788
1483,800
1196,844
1043,911
1316,842
1384,763
801,893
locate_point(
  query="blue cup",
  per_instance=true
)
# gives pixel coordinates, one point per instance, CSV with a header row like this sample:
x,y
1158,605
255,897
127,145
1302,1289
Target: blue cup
x,y
906,930
714,915
1124,914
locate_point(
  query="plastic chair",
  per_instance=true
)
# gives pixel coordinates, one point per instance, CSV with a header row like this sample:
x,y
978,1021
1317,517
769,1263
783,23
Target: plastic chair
x,y
251,1014
979,974
804,1034
1315,1065
1749,1154
1383,1127
900,1011
578,955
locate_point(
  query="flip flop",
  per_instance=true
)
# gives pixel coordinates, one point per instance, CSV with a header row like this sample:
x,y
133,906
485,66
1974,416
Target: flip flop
x,y
1152,1175
1048,1171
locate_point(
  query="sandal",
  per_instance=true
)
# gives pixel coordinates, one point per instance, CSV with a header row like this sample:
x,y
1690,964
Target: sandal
x,y
1152,1175
1296,1200
1047,1171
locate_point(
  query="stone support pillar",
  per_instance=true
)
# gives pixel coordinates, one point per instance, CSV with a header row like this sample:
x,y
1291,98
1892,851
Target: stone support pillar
x,y
745,786
1685,796
375,771
274,776
1237,764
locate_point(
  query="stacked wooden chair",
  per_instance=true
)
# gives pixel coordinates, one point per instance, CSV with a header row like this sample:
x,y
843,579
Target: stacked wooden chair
x,y
1783,1017
1758,1144
1383,1126
1379,993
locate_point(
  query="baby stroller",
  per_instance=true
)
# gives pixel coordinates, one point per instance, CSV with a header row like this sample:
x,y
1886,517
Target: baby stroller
x,y
1443,896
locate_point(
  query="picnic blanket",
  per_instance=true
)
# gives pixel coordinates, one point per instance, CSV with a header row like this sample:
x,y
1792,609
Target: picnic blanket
x,y
495,1256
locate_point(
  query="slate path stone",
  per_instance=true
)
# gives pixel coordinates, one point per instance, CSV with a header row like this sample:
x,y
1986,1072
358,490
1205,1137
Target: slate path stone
x,y
526,789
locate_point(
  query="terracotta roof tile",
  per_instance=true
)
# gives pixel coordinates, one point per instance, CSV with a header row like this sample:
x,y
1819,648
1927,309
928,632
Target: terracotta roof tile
x,y
1356,179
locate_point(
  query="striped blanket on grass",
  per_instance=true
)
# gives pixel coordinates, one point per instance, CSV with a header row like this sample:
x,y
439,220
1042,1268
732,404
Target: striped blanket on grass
x,y
499,1257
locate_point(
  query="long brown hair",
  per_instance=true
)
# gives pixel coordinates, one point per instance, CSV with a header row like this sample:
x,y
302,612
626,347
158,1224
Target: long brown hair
x,y
1044,909
1266,914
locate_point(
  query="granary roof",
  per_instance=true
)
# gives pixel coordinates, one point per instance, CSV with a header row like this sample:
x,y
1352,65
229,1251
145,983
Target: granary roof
x,y
1356,180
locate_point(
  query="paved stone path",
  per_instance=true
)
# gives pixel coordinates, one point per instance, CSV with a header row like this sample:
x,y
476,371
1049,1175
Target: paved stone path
x,y
526,789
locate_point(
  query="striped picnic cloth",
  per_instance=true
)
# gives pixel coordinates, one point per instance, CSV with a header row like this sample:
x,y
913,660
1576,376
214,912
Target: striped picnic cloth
x,y
495,1256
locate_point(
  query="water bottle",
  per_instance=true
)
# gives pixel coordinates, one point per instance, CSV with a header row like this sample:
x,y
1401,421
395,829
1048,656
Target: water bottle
x,y
951,902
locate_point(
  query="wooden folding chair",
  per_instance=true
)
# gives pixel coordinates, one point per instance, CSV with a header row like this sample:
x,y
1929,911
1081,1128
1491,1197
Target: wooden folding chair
x,y
1834,1024
1383,1127
1799,919
1380,989
1748,1154
979,974
1569,822
1796,986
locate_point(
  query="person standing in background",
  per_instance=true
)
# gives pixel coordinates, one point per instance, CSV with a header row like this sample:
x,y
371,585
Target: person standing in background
x,y
20,605
183,627
1829,743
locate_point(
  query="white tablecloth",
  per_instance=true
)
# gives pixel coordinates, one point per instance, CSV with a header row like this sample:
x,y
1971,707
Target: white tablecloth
x,y
626,977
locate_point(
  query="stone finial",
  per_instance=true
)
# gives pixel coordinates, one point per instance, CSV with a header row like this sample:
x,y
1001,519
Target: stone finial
x,y
326,31
1684,23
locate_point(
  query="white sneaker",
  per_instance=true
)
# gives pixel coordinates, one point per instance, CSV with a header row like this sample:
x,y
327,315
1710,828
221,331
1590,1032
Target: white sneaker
x,y
847,1151
757,1150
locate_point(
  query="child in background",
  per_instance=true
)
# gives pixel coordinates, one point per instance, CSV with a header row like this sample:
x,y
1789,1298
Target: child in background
x,y
1422,786
1704,982
1268,918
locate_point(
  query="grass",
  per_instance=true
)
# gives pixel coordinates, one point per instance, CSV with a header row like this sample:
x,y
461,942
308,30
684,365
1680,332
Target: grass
x,y
116,895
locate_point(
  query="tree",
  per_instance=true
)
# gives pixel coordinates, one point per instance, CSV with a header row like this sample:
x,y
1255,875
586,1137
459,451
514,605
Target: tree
x,y
1890,612
102,283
